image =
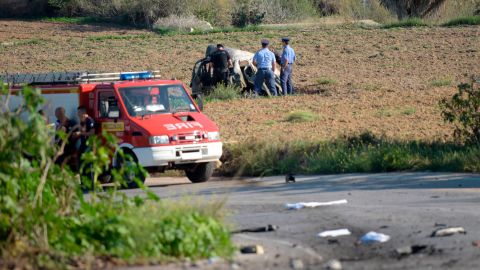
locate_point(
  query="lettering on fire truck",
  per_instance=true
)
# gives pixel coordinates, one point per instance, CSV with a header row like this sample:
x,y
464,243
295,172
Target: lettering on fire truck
x,y
183,125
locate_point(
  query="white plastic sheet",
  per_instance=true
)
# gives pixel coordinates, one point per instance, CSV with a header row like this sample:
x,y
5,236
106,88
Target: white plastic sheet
x,y
301,205
335,233
374,237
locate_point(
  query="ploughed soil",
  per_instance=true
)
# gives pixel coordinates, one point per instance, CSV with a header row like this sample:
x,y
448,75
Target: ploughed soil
x,y
352,79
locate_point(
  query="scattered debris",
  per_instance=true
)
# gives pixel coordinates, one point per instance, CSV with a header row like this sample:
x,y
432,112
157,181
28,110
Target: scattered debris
x,y
332,241
296,264
268,228
373,237
290,178
448,231
333,265
406,251
301,205
213,260
335,233
476,243
256,249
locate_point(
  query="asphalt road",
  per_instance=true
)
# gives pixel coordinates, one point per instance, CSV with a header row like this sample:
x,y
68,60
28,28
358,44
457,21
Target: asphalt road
x,y
406,206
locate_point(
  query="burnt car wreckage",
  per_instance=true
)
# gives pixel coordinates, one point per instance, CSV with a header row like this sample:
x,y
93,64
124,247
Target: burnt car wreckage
x,y
242,74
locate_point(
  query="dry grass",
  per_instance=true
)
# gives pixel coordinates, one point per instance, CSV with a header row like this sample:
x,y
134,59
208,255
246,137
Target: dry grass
x,y
373,70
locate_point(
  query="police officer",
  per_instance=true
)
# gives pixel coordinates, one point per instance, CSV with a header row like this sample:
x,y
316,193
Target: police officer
x,y
264,60
221,61
286,62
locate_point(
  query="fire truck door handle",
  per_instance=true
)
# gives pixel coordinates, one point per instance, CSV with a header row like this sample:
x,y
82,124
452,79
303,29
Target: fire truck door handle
x,y
137,133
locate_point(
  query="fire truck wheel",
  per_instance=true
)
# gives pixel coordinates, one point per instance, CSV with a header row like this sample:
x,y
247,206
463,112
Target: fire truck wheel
x,y
200,172
131,175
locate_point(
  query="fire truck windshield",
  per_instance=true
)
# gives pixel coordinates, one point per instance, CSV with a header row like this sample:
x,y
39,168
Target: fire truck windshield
x,y
156,99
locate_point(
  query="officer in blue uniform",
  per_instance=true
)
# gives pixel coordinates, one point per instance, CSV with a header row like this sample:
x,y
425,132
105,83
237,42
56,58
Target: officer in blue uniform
x,y
264,60
286,62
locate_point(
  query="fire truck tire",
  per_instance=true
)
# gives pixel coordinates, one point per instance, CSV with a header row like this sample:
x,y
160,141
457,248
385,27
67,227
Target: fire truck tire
x,y
129,178
200,172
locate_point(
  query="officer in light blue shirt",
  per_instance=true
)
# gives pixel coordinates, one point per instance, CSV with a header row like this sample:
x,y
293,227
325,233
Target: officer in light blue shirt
x,y
264,60
286,61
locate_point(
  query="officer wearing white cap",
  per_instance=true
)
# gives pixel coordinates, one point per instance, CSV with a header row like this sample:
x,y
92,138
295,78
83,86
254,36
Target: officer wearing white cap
x,y
264,60
286,62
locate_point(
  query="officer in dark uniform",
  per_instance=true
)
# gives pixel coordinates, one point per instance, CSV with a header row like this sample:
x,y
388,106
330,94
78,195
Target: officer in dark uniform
x,y
221,61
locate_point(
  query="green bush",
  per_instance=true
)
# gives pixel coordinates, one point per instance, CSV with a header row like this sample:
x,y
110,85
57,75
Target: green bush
x,y
47,222
407,23
363,153
470,20
221,92
463,110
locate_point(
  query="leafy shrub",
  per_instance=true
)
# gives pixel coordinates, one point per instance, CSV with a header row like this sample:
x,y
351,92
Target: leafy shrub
x,y
46,222
254,12
463,110
327,7
245,13
221,92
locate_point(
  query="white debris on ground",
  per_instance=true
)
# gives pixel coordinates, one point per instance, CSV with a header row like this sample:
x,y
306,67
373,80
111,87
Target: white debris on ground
x,y
448,231
335,233
301,205
374,237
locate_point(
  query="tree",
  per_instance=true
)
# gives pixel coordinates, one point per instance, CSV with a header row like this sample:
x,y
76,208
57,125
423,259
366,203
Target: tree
x,y
412,8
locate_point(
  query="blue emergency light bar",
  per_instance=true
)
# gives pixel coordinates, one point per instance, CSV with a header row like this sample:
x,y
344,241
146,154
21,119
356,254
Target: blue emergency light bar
x,y
127,76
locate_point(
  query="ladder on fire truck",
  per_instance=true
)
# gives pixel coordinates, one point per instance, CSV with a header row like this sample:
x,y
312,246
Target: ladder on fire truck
x,y
75,77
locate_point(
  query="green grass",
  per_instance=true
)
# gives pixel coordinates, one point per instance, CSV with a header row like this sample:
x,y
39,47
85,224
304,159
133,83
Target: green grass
x,y
221,92
300,116
408,111
75,20
407,23
469,20
363,153
118,37
326,81
442,82
384,113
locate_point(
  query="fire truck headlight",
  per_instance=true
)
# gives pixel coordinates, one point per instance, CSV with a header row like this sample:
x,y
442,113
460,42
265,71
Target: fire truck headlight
x,y
159,139
214,136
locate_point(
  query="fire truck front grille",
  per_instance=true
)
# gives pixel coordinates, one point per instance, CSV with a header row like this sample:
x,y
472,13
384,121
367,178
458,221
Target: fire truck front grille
x,y
189,137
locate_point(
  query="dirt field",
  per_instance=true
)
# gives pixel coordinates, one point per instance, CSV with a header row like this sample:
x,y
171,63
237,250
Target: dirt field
x,y
385,81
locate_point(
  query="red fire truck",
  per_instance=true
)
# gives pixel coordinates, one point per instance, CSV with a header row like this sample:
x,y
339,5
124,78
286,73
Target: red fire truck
x,y
156,121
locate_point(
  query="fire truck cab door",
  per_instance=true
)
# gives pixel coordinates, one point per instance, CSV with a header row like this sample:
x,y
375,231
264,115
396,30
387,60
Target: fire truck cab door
x,y
108,113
